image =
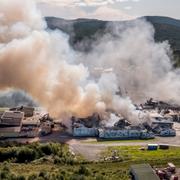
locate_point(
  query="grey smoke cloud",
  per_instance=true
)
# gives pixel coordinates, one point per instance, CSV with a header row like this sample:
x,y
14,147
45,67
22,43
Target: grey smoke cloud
x,y
14,98
43,64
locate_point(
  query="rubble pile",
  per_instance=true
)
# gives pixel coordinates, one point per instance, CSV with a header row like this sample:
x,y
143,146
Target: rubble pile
x,y
159,122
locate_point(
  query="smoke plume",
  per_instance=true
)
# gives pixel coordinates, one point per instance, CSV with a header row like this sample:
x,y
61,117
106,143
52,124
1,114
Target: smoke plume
x,y
66,82
14,98
143,67
41,63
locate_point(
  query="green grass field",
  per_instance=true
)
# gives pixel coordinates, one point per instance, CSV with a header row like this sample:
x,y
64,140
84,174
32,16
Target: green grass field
x,y
133,154
45,167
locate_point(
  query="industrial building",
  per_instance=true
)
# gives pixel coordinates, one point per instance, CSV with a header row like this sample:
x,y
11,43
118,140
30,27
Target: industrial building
x,y
27,122
155,124
120,130
10,124
30,127
11,118
9,132
15,124
28,111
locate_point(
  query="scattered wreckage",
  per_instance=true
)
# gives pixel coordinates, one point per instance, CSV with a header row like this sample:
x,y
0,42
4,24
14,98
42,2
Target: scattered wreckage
x,y
159,123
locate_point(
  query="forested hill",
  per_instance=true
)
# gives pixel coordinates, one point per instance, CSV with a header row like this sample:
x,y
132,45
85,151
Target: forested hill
x,y
165,29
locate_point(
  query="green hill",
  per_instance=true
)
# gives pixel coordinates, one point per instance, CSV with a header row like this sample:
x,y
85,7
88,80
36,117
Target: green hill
x,y
80,29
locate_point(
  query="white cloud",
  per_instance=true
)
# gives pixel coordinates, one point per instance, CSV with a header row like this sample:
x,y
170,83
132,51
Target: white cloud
x,y
83,2
60,11
96,9
101,12
108,13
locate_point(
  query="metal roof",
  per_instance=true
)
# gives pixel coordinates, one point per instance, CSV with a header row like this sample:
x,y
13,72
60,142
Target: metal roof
x,y
12,118
143,172
13,114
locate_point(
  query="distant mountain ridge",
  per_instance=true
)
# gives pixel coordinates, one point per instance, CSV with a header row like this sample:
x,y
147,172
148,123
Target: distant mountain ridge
x,y
166,28
163,20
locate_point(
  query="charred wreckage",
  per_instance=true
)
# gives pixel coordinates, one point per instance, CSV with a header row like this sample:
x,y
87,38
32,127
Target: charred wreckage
x,y
28,122
159,122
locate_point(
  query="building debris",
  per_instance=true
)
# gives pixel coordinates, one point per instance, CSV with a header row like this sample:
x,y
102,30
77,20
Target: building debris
x,y
168,173
156,118
157,121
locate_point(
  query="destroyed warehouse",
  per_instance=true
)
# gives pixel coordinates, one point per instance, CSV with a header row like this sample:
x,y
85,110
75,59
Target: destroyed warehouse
x,y
156,124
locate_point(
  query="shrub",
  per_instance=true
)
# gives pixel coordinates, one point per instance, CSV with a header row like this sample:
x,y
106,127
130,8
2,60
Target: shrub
x,y
6,154
32,177
77,177
21,177
46,149
25,154
83,170
5,173
44,175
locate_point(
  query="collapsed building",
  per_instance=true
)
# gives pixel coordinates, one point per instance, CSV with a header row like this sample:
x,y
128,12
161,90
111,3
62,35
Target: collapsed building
x,y
83,127
160,105
169,111
26,122
155,124
122,129
161,126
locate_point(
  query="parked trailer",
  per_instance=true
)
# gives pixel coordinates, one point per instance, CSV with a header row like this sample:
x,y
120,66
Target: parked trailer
x,y
124,134
113,134
85,132
163,146
152,147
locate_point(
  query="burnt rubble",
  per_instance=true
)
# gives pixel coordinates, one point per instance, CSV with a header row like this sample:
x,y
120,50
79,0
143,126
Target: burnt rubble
x,y
160,105
159,123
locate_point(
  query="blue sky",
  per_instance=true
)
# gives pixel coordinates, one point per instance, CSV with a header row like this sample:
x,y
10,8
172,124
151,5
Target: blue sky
x,y
109,9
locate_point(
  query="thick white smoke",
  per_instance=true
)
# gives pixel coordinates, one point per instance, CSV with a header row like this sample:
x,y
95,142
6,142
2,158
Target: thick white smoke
x,y
42,63
143,67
